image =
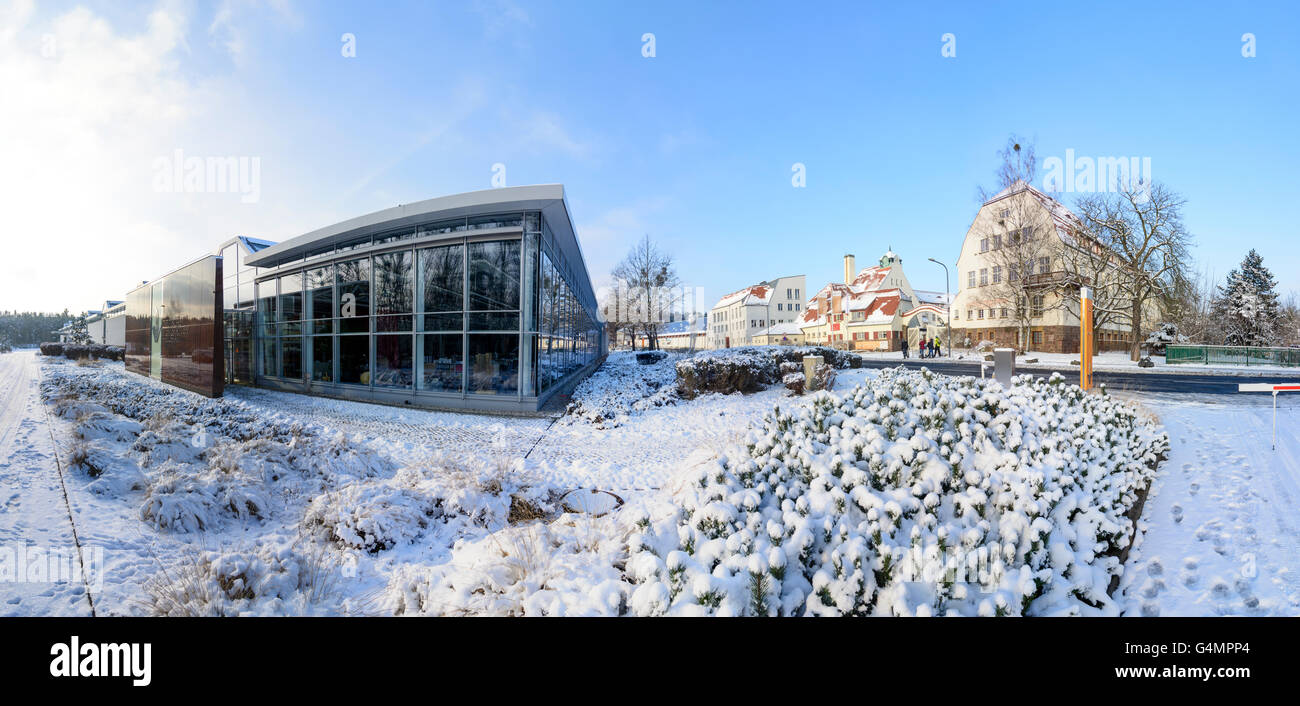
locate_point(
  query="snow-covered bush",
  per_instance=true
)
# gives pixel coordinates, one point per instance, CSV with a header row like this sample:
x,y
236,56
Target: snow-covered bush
x,y
749,369
51,349
377,514
913,494
180,500
824,377
620,388
566,567
1164,334
266,580
792,378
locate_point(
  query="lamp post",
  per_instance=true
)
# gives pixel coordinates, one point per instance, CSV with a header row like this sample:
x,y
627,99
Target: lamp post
x,y
947,303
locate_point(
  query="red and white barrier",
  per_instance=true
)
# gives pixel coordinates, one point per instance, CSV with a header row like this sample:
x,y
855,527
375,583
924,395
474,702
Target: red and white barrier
x,y
1273,388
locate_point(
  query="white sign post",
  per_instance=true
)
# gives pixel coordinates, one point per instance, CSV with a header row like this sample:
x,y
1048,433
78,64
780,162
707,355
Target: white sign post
x,y
1269,387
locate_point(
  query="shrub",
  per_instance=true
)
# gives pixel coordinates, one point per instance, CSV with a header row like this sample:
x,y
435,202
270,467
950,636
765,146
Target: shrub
x,y
749,369
54,349
878,502
824,377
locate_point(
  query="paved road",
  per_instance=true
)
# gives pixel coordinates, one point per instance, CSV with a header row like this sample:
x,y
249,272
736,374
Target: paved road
x,y
1197,383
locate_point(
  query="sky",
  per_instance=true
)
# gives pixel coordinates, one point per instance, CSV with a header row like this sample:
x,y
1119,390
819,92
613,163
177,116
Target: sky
x,y
896,112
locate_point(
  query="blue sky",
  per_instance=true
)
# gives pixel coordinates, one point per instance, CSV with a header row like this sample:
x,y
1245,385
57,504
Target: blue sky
x,y
693,146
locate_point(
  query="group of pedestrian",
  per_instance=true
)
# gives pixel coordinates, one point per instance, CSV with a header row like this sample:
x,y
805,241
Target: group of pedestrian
x,y
926,348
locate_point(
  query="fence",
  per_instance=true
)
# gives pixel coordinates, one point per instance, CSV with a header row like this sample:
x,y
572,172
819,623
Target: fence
x,y
1232,355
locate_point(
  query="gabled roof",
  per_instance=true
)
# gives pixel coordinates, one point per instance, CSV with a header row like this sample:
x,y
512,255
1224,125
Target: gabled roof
x,y
786,329
755,294
1062,217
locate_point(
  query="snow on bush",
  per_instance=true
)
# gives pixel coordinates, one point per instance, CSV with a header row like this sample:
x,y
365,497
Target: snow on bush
x,y
1165,334
378,514
749,369
199,461
567,567
621,387
913,494
267,580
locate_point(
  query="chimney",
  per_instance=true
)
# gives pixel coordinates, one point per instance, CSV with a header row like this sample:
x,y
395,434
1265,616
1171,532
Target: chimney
x,y
849,269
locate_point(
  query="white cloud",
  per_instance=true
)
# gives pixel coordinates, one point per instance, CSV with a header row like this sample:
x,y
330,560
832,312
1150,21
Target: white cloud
x,y
229,26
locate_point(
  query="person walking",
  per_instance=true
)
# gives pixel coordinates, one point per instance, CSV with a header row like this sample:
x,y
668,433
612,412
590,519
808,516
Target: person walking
x,y
937,347
904,346
922,346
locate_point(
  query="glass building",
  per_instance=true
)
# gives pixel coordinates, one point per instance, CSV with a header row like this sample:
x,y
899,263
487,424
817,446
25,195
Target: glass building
x,y
475,301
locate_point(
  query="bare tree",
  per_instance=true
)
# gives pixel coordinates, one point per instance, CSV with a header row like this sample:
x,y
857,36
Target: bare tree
x,y
650,283
1089,263
1018,164
1141,224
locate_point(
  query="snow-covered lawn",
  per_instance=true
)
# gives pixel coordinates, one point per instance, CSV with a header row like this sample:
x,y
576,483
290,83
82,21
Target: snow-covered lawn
x,y
272,503
1222,534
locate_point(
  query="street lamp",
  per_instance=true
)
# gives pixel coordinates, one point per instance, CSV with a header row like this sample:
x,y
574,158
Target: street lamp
x,y
947,302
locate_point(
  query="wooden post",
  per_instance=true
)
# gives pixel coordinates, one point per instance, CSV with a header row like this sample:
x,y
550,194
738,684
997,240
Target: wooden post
x,y
1085,338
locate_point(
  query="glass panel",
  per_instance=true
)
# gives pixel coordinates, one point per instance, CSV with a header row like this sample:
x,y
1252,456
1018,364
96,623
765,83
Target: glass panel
x,y
320,292
504,220
266,305
322,358
442,278
494,363
444,322
443,362
291,358
394,280
494,275
393,323
245,294
354,359
508,321
394,236
353,279
266,349
393,361
442,227
533,222
289,307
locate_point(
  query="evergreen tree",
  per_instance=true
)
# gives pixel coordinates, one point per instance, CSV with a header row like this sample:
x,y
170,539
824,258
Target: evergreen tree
x,y
1247,304
80,334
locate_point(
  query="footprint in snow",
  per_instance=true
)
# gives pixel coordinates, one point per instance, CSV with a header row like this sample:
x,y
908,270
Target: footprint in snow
x,y
1155,568
1178,513
1194,488
1150,609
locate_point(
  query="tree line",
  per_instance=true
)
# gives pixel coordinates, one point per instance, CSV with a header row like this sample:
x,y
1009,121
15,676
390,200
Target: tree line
x,y
28,328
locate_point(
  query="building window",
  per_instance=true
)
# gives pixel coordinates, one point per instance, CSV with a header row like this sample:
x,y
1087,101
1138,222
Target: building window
x,y
997,242
353,278
354,360
1012,274
970,278
984,244
981,313
1036,306
494,275
970,314
997,274
394,361
494,363
322,358
984,276
1036,337
1044,265
1004,312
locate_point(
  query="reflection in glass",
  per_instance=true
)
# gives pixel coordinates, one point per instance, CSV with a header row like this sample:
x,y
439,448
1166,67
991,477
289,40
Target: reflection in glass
x,y
442,277
393,361
494,275
443,362
291,358
394,283
354,359
494,363
353,279
322,358
290,302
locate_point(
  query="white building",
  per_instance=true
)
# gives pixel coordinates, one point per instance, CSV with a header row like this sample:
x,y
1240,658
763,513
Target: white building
x,y
738,317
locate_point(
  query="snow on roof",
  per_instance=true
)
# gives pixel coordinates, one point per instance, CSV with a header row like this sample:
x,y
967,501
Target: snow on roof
x,y
1065,220
932,297
785,329
675,327
755,294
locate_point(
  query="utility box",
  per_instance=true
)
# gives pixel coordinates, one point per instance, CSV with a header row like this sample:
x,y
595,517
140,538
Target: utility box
x,y
1004,365
810,365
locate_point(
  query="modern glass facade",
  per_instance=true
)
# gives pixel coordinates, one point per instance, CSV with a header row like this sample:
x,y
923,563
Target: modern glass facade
x,y
486,310
172,331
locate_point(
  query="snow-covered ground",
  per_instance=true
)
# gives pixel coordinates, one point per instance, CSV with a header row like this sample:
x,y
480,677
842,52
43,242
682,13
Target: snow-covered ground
x,y
333,480
1222,534
1110,360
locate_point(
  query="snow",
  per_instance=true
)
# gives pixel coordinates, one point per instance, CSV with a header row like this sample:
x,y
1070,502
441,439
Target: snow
x,y
271,503
1110,360
1221,536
